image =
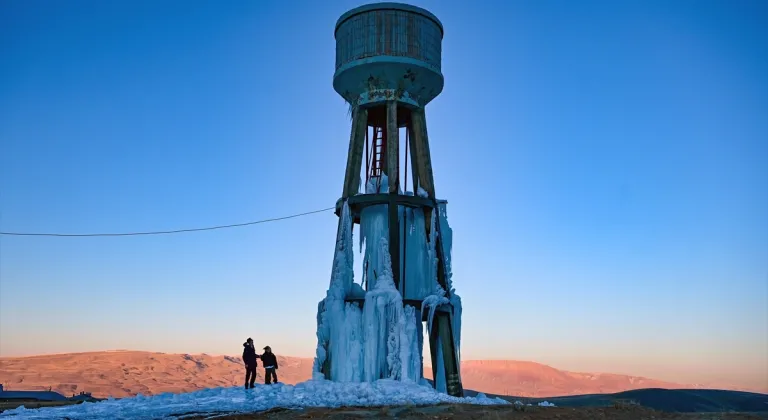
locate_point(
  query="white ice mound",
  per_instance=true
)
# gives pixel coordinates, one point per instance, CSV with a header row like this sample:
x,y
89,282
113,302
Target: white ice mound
x,y
315,393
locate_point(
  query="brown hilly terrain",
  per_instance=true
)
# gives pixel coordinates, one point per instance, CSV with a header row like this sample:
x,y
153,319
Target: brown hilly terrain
x,y
127,373
529,379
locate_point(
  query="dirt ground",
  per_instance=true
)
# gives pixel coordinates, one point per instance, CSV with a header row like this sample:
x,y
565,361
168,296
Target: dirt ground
x,y
470,412
10,405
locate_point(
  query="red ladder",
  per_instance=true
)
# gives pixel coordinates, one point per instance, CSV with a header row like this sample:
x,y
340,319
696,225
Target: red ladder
x,y
378,157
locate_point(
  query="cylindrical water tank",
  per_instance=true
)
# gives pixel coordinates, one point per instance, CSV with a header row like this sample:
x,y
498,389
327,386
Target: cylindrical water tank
x,y
386,51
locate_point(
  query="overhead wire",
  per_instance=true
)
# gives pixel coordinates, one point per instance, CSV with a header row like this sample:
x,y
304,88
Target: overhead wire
x,y
167,232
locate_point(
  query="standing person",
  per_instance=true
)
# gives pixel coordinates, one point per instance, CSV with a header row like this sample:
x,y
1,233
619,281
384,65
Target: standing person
x,y
249,357
270,365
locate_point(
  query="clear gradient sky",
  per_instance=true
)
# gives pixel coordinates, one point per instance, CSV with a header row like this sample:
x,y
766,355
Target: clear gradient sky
x,y
606,165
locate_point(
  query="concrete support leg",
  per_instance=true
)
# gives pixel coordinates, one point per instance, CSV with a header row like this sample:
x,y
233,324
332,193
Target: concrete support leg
x,y
393,148
355,153
420,324
393,175
414,160
433,341
442,330
441,334
452,378
421,157
394,238
420,151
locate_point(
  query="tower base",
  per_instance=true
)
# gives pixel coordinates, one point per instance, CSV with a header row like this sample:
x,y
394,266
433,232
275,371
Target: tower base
x,y
376,334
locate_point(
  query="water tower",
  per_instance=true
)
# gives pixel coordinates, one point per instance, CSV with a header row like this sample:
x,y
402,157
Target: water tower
x,y
388,68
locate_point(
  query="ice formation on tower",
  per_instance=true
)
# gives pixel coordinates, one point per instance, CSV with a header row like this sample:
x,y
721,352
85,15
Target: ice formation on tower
x,y
382,339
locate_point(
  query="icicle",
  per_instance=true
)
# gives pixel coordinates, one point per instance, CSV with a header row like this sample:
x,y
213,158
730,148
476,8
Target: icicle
x,y
336,323
342,275
322,341
433,302
389,329
419,283
438,297
377,316
446,239
394,345
410,352
349,369
374,224
433,260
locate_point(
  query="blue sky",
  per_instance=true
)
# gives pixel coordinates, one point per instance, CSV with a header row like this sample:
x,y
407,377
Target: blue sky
x,y
606,165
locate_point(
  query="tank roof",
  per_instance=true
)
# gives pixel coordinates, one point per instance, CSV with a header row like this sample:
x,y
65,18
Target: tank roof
x,y
388,6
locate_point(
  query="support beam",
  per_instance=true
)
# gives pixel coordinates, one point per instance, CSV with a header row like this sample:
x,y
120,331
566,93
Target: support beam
x,y
414,160
355,153
359,301
420,153
441,334
394,238
361,201
433,350
404,239
393,175
422,159
393,148
420,336
441,261
445,331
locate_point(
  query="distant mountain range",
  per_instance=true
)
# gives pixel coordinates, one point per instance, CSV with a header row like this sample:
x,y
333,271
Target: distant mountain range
x,y
530,379
127,373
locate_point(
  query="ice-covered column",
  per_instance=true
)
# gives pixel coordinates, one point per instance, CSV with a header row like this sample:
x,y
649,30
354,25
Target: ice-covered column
x,y
418,281
335,318
447,241
390,329
444,308
380,341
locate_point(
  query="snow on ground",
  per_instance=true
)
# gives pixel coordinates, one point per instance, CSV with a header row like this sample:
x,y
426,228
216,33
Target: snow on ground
x,y
315,393
541,404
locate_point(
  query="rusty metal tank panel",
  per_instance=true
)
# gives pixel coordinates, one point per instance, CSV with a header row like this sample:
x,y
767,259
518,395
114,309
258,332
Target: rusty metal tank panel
x,y
388,51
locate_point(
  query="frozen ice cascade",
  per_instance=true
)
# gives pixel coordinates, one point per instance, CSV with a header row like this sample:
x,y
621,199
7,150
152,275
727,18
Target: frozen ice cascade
x,y
313,393
383,339
378,341
438,297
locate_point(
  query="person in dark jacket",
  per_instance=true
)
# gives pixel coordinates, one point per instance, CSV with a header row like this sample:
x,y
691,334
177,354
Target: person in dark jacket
x,y
249,357
269,360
